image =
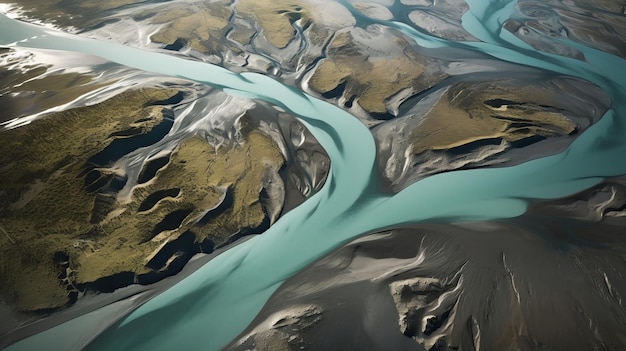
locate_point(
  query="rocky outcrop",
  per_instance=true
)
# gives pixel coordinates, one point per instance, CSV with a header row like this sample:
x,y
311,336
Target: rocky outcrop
x,y
281,331
502,285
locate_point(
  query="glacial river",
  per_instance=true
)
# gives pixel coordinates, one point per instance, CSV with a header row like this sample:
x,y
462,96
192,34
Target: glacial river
x,y
215,303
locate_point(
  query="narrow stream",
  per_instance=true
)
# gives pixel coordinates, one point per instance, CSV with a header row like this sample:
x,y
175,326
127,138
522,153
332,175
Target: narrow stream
x,y
213,304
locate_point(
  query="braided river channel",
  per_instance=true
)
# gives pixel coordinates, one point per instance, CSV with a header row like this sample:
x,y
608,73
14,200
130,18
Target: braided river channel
x,y
210,306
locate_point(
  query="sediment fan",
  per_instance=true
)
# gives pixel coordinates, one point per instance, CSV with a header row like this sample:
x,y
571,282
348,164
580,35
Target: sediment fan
x,y
314,175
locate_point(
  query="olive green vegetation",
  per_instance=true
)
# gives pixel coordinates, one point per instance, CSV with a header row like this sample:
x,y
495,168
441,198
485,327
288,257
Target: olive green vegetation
x,y
202,26
46,208
275,18
467,113
200,173
240,168
370,81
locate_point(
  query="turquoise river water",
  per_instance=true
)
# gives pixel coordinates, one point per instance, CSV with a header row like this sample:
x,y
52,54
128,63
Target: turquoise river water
x,y
215,303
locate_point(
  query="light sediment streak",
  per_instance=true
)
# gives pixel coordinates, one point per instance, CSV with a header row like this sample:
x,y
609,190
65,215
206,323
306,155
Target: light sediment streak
x,y
213,304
